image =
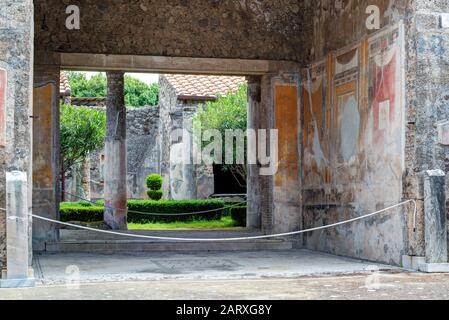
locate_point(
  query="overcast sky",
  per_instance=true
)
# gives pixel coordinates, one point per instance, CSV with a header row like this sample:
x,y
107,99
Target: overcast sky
x,y
148,78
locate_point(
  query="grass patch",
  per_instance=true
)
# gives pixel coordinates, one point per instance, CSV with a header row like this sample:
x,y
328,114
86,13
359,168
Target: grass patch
x,y
225,223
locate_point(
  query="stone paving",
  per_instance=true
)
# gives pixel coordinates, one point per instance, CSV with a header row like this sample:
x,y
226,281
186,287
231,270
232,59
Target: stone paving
x,y
292,274
57,268
396,286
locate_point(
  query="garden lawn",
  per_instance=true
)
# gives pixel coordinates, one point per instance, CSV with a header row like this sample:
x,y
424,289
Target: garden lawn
x,y
225,223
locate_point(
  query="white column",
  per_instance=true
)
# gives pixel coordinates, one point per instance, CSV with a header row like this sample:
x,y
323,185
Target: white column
x,y
17,238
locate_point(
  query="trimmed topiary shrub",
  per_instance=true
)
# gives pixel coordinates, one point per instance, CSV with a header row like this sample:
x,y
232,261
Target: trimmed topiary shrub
x,y
154,184
238,214
155,195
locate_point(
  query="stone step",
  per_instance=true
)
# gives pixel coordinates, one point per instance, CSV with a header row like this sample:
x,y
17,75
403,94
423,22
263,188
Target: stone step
x,y
117,246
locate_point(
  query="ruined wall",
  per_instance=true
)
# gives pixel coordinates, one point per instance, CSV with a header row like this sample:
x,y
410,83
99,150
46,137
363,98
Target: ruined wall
x,y
16,60
354,108
333,24
287,213
428,102
387,169
143,148
181,181
229,29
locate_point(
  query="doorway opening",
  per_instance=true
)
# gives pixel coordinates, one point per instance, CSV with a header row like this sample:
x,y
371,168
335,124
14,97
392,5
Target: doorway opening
x,y
164,114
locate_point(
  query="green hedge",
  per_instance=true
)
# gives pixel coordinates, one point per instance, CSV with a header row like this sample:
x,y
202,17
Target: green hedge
x,y
76,212
174,207
80,213
238,214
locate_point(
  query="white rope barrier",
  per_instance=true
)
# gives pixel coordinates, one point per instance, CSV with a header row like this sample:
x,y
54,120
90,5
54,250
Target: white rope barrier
x,y
163,214
287,234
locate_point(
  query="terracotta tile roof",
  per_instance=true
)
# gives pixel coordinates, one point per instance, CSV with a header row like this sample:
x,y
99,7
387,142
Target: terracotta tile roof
x,y
200,87
88,102
64,85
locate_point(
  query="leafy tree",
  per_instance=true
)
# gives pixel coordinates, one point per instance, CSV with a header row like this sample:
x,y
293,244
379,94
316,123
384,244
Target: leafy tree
x,y
227,113
82,131
95,87
137,93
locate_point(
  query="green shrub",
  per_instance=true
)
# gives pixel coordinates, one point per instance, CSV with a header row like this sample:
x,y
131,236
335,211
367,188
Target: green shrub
x,y
238,214
154,182
174,207
155,195
95,213
76,204
82,214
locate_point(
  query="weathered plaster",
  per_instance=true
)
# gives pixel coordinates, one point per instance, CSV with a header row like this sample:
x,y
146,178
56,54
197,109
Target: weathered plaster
x,y
354,110
16,57
115,168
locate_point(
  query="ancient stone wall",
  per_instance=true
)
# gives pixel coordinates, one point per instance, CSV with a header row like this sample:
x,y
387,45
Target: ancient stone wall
x,y
427,146
181,181
16,61
143,148
229,29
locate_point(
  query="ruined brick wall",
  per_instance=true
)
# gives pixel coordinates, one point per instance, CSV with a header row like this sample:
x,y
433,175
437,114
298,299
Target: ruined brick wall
x,y
16,58
229,29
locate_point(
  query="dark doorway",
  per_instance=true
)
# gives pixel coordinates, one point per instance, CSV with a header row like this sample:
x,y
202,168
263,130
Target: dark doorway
x,y
226,183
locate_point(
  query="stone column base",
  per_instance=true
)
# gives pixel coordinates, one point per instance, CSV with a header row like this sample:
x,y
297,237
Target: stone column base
x,y
412,262
434,267
17,283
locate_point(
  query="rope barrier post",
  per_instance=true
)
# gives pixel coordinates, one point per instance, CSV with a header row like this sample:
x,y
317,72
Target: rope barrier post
x,y
17,232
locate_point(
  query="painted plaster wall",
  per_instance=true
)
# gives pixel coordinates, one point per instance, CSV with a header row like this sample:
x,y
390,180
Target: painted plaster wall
x,y
355,111
374,184
228,29
287,182
17,59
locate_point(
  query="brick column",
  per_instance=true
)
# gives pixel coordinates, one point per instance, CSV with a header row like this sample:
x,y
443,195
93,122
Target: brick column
x,y
115,167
